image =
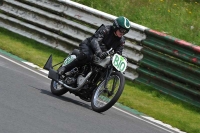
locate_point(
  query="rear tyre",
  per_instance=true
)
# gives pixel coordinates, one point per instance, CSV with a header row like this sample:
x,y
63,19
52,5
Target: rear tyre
x,y
57,89
105,98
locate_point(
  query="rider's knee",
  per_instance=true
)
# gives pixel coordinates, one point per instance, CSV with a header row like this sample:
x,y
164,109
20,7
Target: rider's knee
x,y
82,56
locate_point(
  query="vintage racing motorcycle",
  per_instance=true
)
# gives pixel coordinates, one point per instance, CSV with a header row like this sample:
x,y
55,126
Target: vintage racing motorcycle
x,y
100,82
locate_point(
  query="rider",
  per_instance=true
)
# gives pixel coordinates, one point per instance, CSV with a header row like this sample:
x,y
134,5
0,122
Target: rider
x,y
105,37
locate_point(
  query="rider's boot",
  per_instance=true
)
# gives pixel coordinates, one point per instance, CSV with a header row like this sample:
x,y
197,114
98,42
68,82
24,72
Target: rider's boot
x,y
68,67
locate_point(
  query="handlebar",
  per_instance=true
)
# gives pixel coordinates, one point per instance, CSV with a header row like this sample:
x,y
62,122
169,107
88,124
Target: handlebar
x,y
110,51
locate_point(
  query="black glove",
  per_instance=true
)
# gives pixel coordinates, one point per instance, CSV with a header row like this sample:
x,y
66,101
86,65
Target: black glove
x,y
118,52
102,55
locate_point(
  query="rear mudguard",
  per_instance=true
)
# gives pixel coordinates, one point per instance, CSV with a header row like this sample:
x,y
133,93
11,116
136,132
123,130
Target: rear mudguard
x,y
48,66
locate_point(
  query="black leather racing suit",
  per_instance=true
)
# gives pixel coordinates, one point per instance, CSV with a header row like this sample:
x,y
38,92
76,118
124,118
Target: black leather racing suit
x,y
102,40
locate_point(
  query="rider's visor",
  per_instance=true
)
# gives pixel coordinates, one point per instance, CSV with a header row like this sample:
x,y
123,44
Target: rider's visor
x,y
122,30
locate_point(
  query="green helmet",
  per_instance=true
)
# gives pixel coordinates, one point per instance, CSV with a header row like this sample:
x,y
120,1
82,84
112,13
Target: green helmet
x,y
122,24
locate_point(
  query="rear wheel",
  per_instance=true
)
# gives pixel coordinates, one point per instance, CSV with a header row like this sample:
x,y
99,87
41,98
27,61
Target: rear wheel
x,y
57,89
105,97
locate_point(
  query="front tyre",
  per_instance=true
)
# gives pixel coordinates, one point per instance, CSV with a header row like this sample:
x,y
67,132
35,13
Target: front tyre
x,y
105,98
57,89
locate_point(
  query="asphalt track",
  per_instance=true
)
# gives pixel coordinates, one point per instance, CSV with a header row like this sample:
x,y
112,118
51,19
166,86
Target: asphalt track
x,y
27,106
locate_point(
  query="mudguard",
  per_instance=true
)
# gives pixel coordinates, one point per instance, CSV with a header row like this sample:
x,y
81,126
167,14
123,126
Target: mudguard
x,y
52,73
48,64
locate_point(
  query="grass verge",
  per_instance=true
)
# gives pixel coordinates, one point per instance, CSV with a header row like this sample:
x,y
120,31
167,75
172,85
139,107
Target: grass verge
x,y
178,18
137,96
28,49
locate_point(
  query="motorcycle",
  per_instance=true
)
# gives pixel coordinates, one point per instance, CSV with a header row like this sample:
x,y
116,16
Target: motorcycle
x,y
100,82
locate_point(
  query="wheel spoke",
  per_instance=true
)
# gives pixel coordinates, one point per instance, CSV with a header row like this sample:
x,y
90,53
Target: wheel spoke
x,y
104,95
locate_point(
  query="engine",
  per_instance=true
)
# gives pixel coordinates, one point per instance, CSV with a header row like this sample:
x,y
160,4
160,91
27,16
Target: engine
x,y
70,80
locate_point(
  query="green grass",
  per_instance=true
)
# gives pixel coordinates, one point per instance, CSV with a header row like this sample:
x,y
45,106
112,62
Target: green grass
x,y
178,18
27,49
137,96
162,107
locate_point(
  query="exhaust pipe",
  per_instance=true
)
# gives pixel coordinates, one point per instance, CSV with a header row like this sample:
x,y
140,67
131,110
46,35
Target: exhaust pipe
x,y
77,88
54,75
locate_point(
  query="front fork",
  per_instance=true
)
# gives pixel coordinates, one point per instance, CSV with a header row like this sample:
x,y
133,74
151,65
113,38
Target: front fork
x,y
108,73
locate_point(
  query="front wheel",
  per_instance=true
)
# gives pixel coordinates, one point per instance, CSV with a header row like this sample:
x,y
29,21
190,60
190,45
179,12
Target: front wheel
x,y
105,97
57,89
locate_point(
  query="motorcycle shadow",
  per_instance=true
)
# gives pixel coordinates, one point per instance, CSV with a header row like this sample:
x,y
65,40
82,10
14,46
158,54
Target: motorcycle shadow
x,y
64,98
